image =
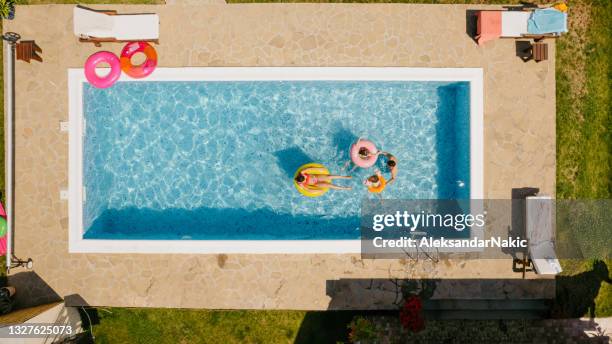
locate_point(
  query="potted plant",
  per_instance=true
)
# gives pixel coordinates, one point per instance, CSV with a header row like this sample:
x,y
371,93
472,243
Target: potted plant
x,y
7,9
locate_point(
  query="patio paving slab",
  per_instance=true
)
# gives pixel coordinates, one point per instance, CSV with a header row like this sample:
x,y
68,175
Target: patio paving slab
x,y
519,107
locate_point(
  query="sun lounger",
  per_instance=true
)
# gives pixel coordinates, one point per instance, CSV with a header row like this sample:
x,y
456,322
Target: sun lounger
x,y
538,23
108,26
540,235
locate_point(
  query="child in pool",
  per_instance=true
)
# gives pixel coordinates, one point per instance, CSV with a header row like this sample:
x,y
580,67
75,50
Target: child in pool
x,y
364,153
305,178
375,183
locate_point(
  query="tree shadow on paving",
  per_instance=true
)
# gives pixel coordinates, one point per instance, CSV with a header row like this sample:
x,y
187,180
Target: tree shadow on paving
x,y
576,294
31,290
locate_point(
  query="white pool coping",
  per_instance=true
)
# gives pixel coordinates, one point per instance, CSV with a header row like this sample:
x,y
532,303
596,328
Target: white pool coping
x,y
76,79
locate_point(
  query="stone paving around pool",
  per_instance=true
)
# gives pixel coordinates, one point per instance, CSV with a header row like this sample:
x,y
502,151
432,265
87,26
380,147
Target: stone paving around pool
x,y
519,119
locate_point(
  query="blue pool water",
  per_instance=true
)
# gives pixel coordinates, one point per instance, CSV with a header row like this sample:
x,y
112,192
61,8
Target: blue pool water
x,y
215,160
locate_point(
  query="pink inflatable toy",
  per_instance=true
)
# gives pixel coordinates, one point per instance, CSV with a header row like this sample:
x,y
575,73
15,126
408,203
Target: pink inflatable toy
x,y
102,81
358,159
4,237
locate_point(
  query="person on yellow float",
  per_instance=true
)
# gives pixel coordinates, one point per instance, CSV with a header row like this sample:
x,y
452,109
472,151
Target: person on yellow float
x,y
309,177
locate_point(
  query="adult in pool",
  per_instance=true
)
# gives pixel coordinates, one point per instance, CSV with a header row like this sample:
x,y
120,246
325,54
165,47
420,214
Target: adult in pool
x,y
311,177
390,166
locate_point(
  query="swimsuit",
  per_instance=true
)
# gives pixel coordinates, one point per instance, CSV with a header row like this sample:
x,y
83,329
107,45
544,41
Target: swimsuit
x,y
309,180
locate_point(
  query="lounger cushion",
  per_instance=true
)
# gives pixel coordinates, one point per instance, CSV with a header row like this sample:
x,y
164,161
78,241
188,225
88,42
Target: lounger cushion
x,y
134,27
89,23
514,23
123,27
544,259
489,26
540,235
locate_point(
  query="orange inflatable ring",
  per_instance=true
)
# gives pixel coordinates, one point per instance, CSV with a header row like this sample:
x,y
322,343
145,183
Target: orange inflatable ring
x,y
144,69
380,187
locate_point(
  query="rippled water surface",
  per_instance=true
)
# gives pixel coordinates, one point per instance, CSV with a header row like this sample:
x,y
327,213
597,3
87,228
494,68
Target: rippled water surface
x,y
214,160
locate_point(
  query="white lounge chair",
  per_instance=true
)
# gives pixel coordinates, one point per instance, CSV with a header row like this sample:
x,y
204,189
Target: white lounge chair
x,y
540,235
108,26
535,23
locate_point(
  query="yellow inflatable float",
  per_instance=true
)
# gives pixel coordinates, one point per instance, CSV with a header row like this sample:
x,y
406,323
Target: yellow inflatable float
x,y
311,190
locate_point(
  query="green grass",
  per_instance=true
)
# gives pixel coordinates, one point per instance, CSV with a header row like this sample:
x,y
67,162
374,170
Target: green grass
x,y
583,171
577,277
584,146
133,325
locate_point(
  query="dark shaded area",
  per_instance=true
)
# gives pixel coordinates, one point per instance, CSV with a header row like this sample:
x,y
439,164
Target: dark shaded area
x,y
576,294
342,140
213,223
79,338
467,300
89,317
75,300
522,6
448,298
452,141
331,326
291,159
523,50
517,227
445,137
31,290
471,24
325,327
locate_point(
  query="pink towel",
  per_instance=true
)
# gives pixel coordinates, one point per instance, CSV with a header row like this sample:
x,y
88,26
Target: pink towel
x,y
3,239
489,26
3,246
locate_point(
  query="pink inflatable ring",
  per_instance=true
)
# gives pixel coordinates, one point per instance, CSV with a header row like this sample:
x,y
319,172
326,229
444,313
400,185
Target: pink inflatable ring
x,y
358,159
102,81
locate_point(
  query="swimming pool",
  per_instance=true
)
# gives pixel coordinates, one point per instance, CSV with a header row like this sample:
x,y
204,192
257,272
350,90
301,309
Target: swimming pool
x,y
201,159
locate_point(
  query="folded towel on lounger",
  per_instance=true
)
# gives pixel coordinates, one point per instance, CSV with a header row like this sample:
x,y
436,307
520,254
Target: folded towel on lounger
x,y
548,20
